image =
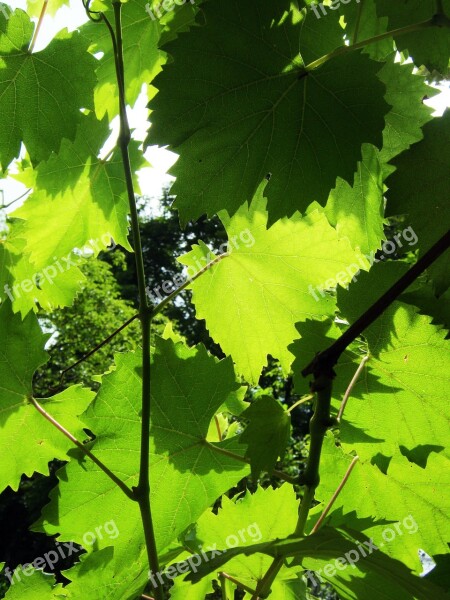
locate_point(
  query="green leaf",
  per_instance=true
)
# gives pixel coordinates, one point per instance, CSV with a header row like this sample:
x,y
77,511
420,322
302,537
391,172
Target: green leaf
x,y
187,473
41,94
429,47
36,586
411,364
235,105
34,7
371,573
409,500
419,189
252,298
267,434
85,196
406,92
357,212
362,23
240,523
32,441
99,577
30,289
142,57
21,353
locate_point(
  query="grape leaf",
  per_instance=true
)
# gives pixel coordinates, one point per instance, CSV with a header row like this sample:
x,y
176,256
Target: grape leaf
x,y
85,194
357,211
429,47
253,518
362,23
27,288
235,105
405,91
252,298
34,7
142,57
44,441
41,94
187,473
419,189
267,434
22,352
405,490
410,360
36,586
371,571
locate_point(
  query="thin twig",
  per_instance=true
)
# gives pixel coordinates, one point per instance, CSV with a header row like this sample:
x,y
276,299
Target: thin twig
x,y
335,495
105,341
237,583
16,199
38,27
351,386
127,491
299,402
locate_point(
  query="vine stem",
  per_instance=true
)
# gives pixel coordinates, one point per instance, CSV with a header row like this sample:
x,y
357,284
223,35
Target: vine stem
x,y
126,490
351,385
38,27
142,490
335,495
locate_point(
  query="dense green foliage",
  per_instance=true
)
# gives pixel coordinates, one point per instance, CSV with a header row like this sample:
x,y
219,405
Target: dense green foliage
x,y
303,137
